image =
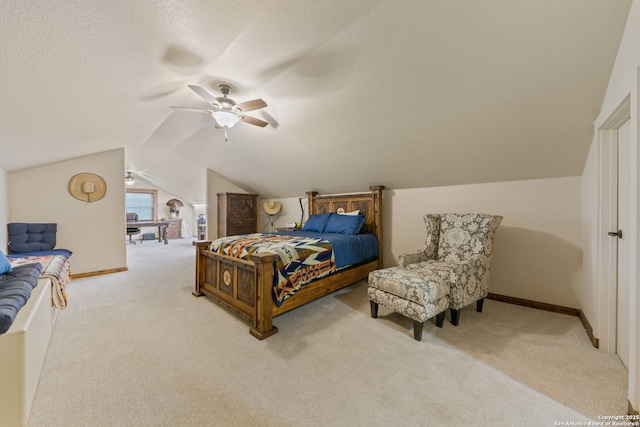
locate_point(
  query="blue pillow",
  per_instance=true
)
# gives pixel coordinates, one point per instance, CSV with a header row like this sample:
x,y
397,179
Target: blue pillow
x,y
344,224
317,222
5,264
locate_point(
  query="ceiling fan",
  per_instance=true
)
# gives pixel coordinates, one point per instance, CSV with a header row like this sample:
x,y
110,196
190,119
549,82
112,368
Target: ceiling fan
x,y
225,111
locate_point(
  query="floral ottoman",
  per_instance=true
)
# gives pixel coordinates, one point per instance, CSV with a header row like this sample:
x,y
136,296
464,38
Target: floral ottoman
x,y
413,294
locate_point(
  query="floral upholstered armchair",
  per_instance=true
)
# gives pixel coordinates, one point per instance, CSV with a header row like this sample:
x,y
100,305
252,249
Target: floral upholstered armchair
x,y
458,249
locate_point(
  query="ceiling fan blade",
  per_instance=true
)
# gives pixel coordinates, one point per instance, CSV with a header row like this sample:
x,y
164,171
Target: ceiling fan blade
x,y
205,95
255,104
253,121
199,110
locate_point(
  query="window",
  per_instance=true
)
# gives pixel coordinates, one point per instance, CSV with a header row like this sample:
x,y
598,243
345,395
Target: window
x,y
142,202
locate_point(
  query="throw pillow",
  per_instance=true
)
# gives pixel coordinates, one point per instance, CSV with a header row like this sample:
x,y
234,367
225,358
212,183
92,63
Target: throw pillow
x,y
344,224
316,222
5,264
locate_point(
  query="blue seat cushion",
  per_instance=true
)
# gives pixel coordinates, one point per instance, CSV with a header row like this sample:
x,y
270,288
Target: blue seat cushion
x,y
15,290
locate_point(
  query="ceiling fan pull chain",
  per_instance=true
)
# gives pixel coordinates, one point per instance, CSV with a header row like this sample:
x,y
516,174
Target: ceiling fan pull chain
x,y
225,136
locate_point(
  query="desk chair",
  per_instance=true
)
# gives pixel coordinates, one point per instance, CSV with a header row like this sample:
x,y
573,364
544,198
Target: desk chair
x,y
132,231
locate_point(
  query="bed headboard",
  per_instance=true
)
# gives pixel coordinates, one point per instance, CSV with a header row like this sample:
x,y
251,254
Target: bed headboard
x,y
369,204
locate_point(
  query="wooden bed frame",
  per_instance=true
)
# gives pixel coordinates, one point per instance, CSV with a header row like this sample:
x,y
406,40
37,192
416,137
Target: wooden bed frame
x,y
245,286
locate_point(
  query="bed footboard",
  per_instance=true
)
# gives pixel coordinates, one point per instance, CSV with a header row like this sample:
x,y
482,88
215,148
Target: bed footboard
x,y
243,286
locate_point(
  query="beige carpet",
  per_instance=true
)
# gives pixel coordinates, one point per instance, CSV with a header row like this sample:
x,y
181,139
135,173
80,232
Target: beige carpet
x,y
136,349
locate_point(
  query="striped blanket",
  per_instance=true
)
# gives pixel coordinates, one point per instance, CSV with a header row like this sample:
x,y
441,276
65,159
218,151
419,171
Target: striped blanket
x,y
55,267
301,259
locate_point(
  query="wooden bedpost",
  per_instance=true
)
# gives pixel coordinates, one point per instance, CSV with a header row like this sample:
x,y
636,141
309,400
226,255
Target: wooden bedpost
x,y
312,206
377,197
263,306
200,245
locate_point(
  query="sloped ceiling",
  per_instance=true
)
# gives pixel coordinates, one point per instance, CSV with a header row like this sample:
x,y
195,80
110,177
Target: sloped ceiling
x,y
412,93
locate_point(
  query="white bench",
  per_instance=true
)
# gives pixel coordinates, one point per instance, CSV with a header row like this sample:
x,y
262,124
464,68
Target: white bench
x,y
23,349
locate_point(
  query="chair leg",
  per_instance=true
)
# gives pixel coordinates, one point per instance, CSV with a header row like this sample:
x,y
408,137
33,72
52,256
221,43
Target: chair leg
x,y
374,309
417,330
440,319
479,305
455,317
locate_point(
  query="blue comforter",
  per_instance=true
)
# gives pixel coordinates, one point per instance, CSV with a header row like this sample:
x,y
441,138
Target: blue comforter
x,y
347,249
15,290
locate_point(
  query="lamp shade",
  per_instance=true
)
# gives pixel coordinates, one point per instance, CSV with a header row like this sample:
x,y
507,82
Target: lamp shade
x,y
225,118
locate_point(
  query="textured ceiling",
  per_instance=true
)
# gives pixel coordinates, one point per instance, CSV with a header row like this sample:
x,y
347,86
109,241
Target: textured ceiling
x,y
408,94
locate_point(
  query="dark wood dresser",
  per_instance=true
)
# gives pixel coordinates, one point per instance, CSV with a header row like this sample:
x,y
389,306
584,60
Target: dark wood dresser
x,y
237,214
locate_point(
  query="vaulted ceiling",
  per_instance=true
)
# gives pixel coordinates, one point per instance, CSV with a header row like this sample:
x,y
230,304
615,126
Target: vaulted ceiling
x,y
412,93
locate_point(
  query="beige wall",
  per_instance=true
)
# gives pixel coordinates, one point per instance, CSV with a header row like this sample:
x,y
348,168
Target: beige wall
x,y
589,298
290,213
93,231
4,209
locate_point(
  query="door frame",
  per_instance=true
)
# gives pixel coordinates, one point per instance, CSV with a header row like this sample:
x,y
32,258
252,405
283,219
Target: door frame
x,y
608,221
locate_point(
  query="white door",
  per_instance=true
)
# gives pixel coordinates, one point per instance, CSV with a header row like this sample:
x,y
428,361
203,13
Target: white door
x,y
624,243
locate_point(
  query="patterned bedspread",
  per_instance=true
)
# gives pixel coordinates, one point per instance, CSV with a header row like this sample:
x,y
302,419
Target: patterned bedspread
x,y
55,267
301,259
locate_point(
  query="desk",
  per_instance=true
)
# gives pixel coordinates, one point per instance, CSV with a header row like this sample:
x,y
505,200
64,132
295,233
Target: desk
x,y
162,228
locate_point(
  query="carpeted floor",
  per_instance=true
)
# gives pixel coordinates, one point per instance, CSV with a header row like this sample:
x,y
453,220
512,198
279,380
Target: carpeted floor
x,y
137,349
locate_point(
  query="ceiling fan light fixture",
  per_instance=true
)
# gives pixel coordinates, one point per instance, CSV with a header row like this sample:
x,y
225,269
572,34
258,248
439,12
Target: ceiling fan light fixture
x,y
225,119
129,179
